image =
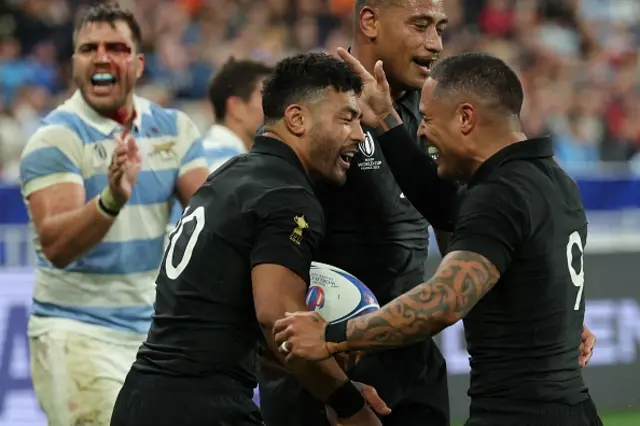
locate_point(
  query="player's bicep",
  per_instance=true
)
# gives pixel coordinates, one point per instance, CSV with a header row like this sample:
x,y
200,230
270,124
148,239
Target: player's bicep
x,y
50,173
493,222
53,155
276,290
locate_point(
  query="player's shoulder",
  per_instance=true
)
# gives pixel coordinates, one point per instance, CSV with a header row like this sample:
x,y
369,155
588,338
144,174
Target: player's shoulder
x,y
287,197
157,119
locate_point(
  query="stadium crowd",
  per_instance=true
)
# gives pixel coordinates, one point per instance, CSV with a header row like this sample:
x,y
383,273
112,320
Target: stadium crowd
x,y
578,59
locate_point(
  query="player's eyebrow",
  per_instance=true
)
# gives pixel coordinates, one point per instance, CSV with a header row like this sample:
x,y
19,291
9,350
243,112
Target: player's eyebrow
x,y
437,18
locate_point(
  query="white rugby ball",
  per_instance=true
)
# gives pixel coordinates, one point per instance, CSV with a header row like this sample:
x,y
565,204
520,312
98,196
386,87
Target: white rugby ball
x,y
337,295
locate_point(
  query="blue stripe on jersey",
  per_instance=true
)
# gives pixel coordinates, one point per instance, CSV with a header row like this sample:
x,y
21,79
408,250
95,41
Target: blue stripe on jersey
x,y
196,150
45,161
121,258
152,186
161,122
130,318
87,133
176,213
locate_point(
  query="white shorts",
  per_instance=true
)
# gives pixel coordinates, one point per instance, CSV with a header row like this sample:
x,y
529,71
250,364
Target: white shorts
x,y
78,369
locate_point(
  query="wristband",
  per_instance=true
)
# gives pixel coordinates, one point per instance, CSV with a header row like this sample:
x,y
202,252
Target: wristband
x,y
346,400
387,123
108,204
336,332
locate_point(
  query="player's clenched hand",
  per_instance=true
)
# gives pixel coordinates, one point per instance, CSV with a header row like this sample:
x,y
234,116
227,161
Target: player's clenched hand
x,y
124,168
301,335
587,346
375,100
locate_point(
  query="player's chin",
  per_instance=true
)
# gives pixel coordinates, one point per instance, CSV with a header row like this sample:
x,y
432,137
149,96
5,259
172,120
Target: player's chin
x,y
103,103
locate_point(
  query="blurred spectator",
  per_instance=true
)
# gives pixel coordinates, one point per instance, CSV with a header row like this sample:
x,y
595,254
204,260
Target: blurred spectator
x,y
578,60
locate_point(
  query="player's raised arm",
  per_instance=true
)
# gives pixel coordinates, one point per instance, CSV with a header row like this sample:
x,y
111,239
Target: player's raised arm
x,y
489,226
67,224
414,171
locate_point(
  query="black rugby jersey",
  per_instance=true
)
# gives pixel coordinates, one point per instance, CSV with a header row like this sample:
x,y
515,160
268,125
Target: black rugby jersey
x,y
257,208
525,215
373,231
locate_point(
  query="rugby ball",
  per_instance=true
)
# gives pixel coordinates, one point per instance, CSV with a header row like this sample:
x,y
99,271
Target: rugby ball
x,y
337,295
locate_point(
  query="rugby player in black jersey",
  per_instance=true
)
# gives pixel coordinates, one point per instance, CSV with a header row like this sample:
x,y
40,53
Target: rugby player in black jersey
x,y
375,233
514,271
240,257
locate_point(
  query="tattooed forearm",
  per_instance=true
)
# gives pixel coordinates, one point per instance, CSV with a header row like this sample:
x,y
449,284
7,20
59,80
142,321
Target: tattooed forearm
x,y
462,279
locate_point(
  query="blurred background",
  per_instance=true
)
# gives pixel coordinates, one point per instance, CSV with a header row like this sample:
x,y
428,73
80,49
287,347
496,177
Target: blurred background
x,y
579,63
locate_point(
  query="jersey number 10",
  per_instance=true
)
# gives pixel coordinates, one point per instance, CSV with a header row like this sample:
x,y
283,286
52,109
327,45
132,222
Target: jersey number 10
x,y
173,271
577,278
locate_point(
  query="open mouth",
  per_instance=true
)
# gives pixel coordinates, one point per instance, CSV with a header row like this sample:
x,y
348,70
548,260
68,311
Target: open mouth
x,y
433,152
103,80
424,64
346,157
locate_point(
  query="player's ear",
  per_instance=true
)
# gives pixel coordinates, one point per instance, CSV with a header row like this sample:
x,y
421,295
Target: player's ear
x,y
467,116
368,20
140,69
294,119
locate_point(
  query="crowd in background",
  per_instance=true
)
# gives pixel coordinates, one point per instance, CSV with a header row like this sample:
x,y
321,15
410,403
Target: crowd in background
x,y
578,60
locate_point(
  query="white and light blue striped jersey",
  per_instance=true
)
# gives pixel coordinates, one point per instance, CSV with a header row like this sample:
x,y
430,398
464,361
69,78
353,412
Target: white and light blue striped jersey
x,y
220,145
113,284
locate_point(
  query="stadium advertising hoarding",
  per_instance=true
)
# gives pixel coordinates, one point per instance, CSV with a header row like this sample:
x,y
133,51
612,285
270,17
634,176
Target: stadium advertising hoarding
x,y
613,313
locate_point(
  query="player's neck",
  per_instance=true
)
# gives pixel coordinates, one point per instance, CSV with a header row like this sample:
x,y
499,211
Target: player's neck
x,y
368,61
499,141
238,130
124,115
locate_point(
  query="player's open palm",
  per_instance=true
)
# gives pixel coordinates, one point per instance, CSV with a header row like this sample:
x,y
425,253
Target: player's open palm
x,y
375,100
124,169
301,335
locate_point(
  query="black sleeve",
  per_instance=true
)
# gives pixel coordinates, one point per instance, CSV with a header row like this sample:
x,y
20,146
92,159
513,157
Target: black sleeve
x,y
291,226
493,221
417,176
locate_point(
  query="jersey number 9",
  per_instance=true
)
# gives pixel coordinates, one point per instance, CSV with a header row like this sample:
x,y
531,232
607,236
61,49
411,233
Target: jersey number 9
x,y
173,271
577,278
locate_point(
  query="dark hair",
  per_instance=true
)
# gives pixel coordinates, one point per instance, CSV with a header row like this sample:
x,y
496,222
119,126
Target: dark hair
x,y
111,13
235,78
301,77
483,75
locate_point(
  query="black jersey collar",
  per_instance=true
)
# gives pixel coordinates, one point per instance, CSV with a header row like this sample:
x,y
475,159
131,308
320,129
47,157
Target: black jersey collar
x,y
275,147
528,149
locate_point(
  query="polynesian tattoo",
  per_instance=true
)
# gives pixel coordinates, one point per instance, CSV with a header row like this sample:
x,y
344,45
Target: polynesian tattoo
x,y
462,279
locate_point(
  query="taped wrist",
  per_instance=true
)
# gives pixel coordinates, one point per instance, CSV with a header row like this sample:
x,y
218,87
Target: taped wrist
x,y
107,203
346,400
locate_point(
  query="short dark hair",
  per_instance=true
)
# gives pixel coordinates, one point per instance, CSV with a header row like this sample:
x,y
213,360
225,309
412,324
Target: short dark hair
x,y
110,13
235,78
483,75
301,77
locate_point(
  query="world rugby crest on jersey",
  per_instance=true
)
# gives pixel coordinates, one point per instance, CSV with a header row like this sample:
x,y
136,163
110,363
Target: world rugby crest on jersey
x,y
368,149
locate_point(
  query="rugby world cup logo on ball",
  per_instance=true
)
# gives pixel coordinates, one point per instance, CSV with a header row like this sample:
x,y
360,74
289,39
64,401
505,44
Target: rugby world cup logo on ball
x,y
337,295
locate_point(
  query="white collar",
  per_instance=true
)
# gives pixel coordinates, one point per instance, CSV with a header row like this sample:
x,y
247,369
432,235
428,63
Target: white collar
x,y
103,124
221,134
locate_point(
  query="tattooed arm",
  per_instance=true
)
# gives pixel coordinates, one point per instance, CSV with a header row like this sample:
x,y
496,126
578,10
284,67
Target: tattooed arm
x,y
492,223
462,279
